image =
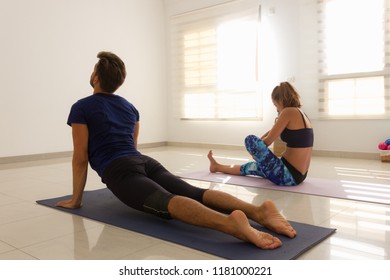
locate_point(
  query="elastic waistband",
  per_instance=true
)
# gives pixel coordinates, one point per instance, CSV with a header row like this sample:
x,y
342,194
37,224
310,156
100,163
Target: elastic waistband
x,y
296,174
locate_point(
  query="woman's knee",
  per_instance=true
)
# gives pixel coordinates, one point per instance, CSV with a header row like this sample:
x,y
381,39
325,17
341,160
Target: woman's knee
x,y
250,139
254,143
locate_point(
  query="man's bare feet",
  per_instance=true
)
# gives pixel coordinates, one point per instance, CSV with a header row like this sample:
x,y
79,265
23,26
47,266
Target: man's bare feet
x,y
273,220
245,232
213,162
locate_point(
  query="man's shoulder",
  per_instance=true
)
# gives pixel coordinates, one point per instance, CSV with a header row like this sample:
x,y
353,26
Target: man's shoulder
x,y
125,101
122,99
85,101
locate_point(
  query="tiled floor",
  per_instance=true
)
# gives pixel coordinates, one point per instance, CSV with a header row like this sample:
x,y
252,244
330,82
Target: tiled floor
x,y
31,231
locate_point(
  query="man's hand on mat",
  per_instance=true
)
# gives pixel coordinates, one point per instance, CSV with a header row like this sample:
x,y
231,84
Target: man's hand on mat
x,y
68,204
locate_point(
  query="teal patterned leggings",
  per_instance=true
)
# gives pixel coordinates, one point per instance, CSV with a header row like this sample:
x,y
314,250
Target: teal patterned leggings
x,y
267,164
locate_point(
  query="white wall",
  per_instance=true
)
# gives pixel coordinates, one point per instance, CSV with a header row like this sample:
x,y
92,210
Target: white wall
x,y
48,50
289,52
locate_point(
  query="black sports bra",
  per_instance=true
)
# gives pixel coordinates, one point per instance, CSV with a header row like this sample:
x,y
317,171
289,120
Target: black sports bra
x,y
298,138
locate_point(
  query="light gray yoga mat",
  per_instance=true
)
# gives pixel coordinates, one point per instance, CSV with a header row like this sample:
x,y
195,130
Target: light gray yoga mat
x,y
101,205
368,192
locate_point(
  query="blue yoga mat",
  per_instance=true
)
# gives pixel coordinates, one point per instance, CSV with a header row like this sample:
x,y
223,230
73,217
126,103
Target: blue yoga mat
x,y
101,205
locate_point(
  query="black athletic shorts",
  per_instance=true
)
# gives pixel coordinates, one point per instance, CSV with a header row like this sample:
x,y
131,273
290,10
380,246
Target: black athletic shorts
x,y
144,184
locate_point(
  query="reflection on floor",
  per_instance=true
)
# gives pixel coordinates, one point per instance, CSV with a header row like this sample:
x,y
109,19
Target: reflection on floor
x,y
31,231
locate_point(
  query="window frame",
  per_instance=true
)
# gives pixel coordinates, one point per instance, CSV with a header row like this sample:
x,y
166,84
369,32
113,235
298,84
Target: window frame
x,y
203,19
324,77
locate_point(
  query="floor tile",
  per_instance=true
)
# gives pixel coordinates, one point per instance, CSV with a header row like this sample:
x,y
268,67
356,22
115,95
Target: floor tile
x,y
31,231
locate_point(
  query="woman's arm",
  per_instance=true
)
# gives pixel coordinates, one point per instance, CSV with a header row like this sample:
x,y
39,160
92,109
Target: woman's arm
x,y
280,124
79,165
264,135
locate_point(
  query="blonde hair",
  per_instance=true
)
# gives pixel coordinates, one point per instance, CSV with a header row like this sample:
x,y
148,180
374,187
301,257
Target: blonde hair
x,y
286,95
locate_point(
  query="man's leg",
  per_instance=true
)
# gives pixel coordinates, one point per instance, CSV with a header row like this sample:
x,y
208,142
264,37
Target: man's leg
x,y
266,214
188,207
236,224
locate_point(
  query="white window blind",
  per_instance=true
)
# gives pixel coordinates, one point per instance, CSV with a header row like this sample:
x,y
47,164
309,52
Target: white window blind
x,y
354,38
214,62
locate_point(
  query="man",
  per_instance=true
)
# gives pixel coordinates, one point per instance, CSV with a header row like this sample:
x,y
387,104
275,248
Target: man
x,y
105,130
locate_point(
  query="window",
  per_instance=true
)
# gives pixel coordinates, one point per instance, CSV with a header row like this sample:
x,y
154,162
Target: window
x,y
214,54
354,62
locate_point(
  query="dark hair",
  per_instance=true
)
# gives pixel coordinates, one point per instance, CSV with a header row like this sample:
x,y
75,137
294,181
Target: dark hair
x,y
111,71
287,95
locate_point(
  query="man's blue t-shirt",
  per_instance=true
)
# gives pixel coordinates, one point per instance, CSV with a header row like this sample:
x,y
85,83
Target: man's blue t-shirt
x,y
111,121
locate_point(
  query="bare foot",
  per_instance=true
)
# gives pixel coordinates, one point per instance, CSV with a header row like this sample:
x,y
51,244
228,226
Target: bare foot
x,y
213,162
273,220
245,232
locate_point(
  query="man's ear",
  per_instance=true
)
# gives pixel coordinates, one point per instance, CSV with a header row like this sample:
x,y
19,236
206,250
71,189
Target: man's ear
x,y
95,81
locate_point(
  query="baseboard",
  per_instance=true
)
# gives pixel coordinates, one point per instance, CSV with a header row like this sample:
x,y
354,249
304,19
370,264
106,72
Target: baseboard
x,y
344,154
153,145
46,156
35,157
317,153
205,146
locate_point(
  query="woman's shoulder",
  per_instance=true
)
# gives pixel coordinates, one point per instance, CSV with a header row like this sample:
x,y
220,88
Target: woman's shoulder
x,y
289,112
291,115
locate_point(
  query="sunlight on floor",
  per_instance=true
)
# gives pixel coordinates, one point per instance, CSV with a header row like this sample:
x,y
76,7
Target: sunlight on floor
x,y
363,173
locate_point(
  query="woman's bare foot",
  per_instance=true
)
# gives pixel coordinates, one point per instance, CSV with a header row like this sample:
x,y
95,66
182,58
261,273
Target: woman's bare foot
x,y
222,168
245,232
273,220
213,162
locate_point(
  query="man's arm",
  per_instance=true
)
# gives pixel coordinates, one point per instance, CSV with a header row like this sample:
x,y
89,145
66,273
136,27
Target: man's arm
x,y
79,165
136,133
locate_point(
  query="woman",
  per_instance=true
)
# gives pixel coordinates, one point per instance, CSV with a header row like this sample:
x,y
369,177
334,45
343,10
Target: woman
x,y
294,128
